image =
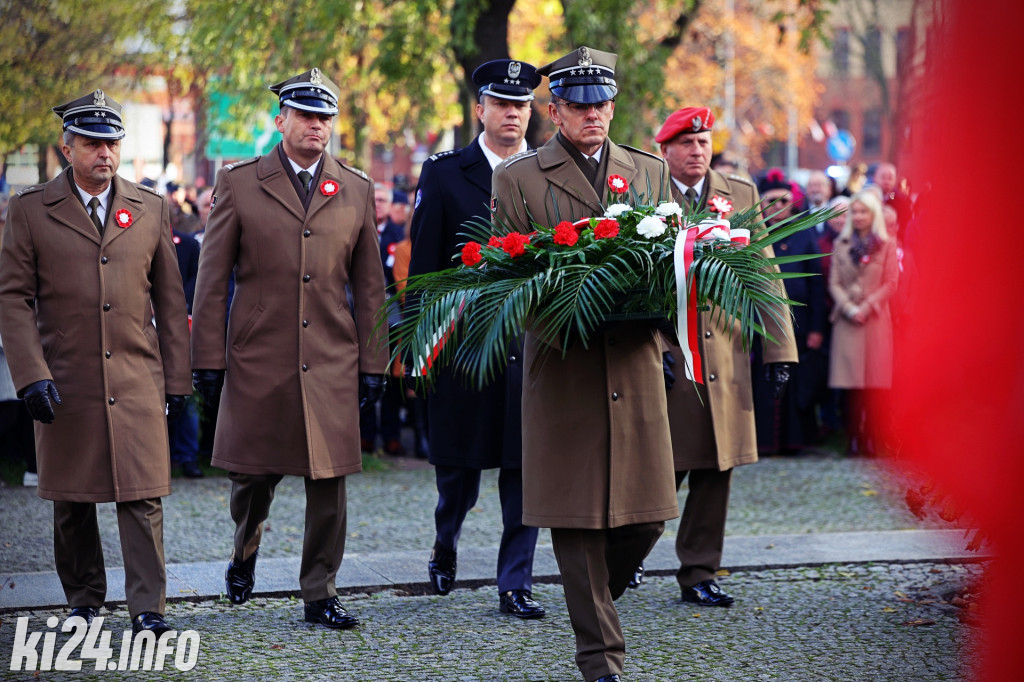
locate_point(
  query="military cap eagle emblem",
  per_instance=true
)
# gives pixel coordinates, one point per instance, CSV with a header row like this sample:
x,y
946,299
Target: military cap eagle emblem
x,y
585,59
99,99
697,123
314,76
513,69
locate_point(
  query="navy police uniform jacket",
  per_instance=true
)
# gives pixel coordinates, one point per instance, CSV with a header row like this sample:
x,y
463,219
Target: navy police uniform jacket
x,y
468,428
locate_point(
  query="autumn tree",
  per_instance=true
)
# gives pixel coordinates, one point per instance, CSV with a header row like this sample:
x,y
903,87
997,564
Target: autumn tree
x,y
51,52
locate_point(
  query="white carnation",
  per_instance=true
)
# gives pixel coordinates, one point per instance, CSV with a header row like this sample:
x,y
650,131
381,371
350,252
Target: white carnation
x,y
719,233
650,227
667,208
615,210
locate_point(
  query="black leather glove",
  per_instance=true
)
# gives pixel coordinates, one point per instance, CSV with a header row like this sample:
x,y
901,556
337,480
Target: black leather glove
x,y
371,388
209,382
38,397
175,406
777,375
667,363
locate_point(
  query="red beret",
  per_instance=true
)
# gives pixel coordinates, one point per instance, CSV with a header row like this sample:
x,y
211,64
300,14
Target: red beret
x,y
688,120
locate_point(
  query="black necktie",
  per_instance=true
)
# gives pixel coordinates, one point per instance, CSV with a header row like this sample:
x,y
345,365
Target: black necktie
x,y
305,178
94,213
691,198
591,169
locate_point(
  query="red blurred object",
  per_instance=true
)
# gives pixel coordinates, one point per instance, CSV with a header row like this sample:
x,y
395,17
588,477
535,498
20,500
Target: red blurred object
x,y
958,391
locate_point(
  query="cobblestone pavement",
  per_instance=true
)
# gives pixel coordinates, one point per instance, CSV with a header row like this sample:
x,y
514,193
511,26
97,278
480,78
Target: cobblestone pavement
x,y
849,622
394,509
840,622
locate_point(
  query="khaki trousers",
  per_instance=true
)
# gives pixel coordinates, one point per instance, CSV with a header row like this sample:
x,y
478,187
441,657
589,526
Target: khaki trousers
x,y
701,534
323,543
596,566
78,554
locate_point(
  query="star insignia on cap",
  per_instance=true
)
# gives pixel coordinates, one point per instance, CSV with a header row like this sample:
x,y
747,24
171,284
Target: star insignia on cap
x,y
506,81
572,72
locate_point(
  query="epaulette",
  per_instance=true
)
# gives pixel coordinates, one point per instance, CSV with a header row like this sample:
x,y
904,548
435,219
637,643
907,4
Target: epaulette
x,y
640,151
442,155
356,171
30,189
519,157
239,164
148,189
740,178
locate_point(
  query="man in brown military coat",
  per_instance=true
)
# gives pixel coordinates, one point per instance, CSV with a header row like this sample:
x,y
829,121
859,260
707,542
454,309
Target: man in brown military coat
x,y
712,426
299,355
87,258
597,464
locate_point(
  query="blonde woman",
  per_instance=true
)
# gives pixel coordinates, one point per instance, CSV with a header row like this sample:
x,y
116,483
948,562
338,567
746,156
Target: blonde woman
x,y
862,279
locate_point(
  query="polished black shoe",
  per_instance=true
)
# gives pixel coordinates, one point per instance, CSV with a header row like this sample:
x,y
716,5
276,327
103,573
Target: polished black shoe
x,y
191,470
330,613
520,604
86,613
638,577
609,678
240,578
706,593
147,620
441,569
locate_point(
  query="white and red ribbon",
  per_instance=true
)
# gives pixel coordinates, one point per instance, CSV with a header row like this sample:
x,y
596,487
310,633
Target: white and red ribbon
x,y
686,305
437,341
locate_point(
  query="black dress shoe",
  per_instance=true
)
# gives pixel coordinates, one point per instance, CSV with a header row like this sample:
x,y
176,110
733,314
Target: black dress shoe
x,y
638,577
609,678
706,593
240,578
147,620
191,470
520,604
441,569
86,613
330,613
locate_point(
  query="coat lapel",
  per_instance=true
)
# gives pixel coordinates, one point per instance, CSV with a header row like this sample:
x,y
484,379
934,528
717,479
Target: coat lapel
x,y
66,208
620,163
475,168
275,182
126,197
331,172
560,170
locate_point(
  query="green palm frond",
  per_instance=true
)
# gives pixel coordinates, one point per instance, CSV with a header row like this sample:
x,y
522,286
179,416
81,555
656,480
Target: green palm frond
x,y
567,292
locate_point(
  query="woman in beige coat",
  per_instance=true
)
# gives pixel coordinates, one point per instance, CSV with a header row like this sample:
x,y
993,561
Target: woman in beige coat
x,y
861,282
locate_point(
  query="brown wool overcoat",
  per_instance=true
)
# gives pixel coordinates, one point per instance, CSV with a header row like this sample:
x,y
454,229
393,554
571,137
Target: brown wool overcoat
x,y
596,449
293,347
719,432
861,354
80,311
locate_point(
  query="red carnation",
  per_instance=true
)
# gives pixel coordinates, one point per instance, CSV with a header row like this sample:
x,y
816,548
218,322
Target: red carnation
x,y
565,233
617,184
606,229
515,243
494,242
471,254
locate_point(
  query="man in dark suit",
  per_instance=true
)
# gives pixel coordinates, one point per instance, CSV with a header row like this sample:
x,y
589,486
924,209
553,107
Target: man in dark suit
x,y
786,423
183,432
301,353
87,266
455,187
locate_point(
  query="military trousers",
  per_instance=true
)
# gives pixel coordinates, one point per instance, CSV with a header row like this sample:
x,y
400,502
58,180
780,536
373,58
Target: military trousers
x,y
701,534
596,566
323,542
78,554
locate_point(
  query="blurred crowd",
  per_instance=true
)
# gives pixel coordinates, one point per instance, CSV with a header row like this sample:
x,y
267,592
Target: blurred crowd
x,y
827,403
